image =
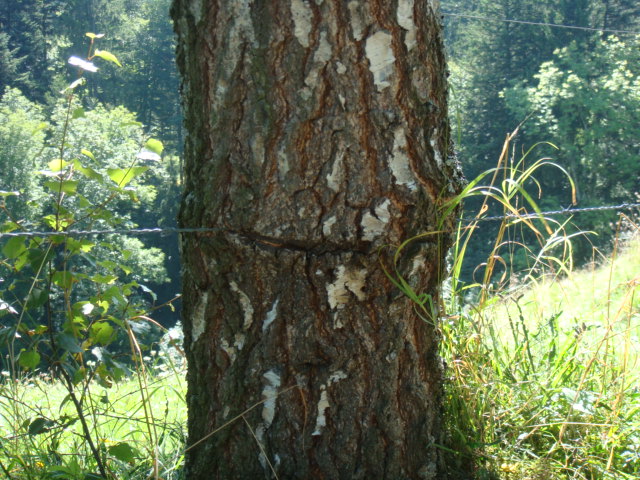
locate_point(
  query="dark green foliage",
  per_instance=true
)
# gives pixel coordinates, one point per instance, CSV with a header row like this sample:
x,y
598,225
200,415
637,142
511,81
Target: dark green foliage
x,y
583,101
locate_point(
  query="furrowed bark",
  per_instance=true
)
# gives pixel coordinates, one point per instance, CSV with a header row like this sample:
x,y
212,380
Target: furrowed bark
x,y
317,134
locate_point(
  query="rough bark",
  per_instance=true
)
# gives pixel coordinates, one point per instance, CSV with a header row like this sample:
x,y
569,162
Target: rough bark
x,y
317,133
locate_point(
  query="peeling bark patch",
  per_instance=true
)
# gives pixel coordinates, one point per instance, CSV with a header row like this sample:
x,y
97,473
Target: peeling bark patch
x,y
271,316
245,303
346,281
320,59
335,178
195,8
283,164
269,394
240,339
436,154
381,58
302,14
374,225
197,320
328,224
323,403
400,166
356,20
241,32
229,350
405,20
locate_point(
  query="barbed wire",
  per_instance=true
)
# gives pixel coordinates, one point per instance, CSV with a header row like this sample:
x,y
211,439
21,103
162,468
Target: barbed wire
x,y
180,230
549,213
545,24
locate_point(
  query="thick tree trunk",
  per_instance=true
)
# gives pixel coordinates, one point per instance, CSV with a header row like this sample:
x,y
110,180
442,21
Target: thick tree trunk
x,y
317,133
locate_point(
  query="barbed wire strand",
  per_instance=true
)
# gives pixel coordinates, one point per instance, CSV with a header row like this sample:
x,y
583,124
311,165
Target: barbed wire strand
x,y
545,24
176,230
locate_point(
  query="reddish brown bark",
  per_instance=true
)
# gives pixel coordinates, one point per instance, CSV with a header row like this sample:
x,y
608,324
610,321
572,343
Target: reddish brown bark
x,y
317,133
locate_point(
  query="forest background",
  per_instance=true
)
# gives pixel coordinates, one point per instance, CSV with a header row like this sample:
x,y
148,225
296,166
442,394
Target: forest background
x,y
578,90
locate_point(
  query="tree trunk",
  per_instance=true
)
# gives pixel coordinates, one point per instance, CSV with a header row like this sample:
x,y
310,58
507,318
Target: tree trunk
x,y
317,134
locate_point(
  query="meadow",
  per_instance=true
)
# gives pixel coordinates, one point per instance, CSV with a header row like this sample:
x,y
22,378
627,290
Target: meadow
x,y
542,383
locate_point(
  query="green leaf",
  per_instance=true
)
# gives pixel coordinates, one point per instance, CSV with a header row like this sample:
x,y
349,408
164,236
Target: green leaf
x,y
39,425
57,164
77,113
102,333
64,279
64,186
37,297
87,171
29,359
68,343
73,85
108,56
14,247
87,153
79,375
123,452
93,476
122,177
154,145
104,279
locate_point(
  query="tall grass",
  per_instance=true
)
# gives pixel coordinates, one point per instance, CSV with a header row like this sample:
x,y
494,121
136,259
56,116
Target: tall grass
x,y
543,362
41,436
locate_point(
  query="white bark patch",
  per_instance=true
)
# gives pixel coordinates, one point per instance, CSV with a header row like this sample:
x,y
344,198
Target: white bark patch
x,y
381,59
340,68
271,316
269,394
405,20
320,59
347,281
229,350
238,12
436,154
257,147
245,304
195,8
400,161
323,403
283,163
373,225
302,14
240,339
356,20
336,177
328,225
197,320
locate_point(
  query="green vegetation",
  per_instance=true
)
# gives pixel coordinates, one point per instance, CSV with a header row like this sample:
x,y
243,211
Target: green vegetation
x,y
542,359
577,89
42,437
543,378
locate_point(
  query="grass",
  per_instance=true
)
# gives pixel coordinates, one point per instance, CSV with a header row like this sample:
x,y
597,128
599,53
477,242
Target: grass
x,y
543,385
55,448
544,376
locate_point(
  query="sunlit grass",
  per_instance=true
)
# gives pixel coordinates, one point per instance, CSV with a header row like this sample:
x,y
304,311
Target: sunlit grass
x,y
544,379
117,415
